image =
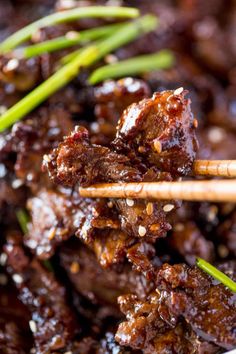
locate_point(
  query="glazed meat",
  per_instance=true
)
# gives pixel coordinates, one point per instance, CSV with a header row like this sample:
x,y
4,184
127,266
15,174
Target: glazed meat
x,y
173,141
107,275
160,131
53,322
179,296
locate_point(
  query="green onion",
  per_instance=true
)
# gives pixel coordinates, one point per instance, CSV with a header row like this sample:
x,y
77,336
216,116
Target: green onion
x,y
216,273
23,219
47,88
125,34
138,65
66,42
65,16
66,73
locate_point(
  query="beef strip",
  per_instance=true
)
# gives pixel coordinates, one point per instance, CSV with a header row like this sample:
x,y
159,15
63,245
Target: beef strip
x,y
101,286
191,294
160,131
111,98
53,322
15,337
146,328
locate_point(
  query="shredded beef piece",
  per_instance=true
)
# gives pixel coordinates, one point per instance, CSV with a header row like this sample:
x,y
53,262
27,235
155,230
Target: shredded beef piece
x,y
111,98
32,138
55,217
146,328
15,335
100,285
53,322
226,234
76,160
191,294
160,131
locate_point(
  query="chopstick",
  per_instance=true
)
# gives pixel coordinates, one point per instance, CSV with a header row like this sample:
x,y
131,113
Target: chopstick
x,y
212,191
220,168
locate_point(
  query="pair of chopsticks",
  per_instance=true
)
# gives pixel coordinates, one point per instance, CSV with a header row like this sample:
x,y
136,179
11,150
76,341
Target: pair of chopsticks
x,y
204,190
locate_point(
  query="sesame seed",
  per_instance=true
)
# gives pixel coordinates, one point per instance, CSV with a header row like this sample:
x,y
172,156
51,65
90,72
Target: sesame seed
x,y
12,64
141,149
195,123
3,279
110,204
157,146
52,233
154,227
142,231
17,183
216,135
72,35
68,353
17,278
32,351
111,58
74,267
3,109
129,202
33,326
3,259
178,91
168,207
46,158
149,208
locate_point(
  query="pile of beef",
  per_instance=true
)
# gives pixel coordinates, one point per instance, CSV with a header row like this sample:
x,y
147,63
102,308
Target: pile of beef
x,y
118,276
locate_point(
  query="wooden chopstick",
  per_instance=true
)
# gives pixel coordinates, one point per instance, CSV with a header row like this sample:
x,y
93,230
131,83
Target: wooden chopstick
x,y
220,168
213,191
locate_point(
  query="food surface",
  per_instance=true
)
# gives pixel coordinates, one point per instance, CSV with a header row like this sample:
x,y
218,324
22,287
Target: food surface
x,y
114,276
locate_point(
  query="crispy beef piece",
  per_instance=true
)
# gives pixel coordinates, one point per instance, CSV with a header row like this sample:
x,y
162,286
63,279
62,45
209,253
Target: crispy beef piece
x,y
23,73
32,138
146,328
55,217
53,322
188,241
76,160
209,308
15,337
160,131
100,285
111,98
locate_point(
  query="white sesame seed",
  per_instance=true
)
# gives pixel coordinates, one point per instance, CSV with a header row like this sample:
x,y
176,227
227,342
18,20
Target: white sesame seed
x,y
17,278
46,158
3,279
33,326
12,64
32,351
72,35
3,259
110,204
178,91
3,109
111,58
168,207
142,231
68,353
216,135
17,183
129,202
